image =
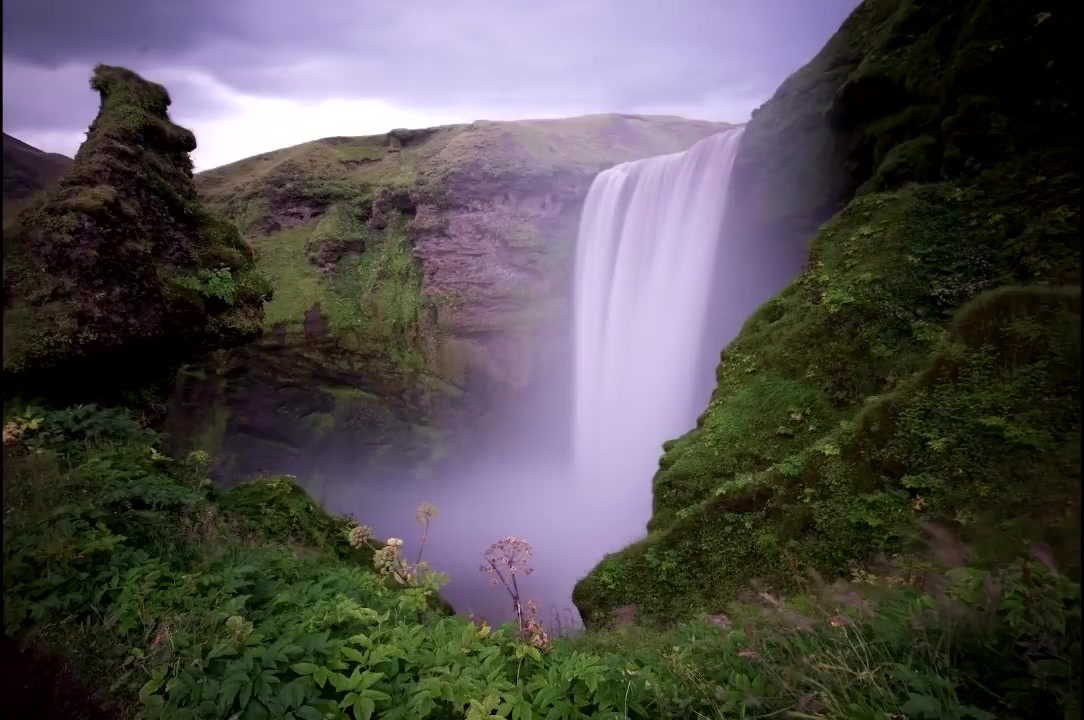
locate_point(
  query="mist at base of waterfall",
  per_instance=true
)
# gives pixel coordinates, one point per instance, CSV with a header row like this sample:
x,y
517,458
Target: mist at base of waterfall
x,y
570,525
662,283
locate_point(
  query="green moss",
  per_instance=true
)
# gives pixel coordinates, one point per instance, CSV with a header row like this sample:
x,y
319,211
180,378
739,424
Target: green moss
x,y
90,201
907,414
280,510
374,294
574,145
964,442
119,261
916,160
211,436
320,423
296,281
766,418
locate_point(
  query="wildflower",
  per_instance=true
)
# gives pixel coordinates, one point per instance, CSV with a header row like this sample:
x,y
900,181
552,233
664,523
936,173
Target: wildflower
x,y
946,547
1043,554
512,555
808,704
536,635
426,512
239,628
510,552
770,599
385,558
360,535
839,621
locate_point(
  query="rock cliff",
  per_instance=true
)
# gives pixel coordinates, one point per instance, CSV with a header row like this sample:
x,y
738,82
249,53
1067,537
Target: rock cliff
x,y
117,274
417,275
922,370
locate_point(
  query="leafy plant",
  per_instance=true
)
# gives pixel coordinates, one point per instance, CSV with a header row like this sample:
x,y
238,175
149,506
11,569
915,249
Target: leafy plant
x,y
218,284
252,602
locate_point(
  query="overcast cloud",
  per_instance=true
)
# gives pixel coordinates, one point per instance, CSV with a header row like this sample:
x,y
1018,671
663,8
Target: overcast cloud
x,y
254,75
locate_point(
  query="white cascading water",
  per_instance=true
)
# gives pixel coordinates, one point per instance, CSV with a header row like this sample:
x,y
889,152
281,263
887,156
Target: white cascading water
x,y
645,262
654,265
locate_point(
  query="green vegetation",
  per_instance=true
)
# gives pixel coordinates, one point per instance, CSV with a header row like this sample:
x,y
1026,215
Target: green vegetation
x,y
296,281
905,414
82,309
339,169
180,600
586,144
965,441
370,302
922,370
382,285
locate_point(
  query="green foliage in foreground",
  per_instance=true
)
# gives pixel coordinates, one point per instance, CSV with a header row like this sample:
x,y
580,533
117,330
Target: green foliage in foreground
x,y
187,602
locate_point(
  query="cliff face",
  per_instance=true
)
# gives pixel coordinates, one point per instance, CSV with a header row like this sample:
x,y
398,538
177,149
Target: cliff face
x,y
27,171
117,274
923,368
416,274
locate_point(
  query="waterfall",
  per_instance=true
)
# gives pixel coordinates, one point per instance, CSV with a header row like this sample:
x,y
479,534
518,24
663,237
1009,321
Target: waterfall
x,y
646,259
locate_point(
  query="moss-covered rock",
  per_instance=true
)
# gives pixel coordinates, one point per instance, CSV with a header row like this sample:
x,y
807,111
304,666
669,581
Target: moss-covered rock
x,y
118,274
924,365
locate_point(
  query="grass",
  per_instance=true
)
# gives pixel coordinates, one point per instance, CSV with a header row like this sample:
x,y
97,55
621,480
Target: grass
x,y
179,600
296,281
964,440
583,145
359,164
373,293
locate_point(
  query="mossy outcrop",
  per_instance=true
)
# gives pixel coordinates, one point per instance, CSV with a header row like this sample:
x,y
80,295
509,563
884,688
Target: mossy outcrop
x,y
924,368
118,274
416,277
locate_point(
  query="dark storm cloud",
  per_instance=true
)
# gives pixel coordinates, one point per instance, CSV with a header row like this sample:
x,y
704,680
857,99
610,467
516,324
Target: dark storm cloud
x,y
55,32
566,55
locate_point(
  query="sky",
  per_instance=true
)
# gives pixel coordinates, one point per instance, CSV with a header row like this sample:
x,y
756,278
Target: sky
x,y
249,76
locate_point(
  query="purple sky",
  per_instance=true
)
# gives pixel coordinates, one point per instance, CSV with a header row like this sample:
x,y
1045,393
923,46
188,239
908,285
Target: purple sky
x,y
254,75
